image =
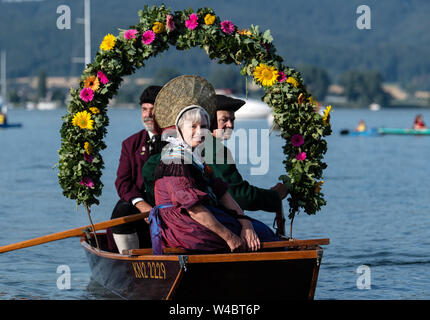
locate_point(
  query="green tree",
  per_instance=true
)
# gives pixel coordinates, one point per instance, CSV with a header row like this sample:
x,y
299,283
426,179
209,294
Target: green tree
x,y
41,85
164,75
364,87
59,95
316,79
13,96
226,78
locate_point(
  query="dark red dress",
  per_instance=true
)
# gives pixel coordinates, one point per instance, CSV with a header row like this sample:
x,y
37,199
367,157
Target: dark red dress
x,y
183,186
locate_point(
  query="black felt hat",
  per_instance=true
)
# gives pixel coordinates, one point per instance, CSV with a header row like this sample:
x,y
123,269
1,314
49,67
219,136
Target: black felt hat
x,y
149,94
227,103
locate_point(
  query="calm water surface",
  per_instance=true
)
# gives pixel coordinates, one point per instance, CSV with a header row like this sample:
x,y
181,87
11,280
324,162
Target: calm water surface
x,y
377,214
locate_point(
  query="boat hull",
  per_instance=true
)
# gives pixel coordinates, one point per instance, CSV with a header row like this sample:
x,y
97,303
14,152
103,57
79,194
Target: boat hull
x,y
10,125
401,131
278,274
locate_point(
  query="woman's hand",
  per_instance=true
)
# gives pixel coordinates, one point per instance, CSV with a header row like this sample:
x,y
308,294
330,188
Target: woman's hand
x,y
234,242
249,236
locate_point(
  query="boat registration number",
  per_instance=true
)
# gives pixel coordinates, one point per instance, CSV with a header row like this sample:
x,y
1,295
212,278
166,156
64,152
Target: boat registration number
x,y
149,270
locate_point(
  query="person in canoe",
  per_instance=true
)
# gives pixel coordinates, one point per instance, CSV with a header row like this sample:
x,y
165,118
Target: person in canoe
x,y
361,127
3,117
419,123
136,149
193,209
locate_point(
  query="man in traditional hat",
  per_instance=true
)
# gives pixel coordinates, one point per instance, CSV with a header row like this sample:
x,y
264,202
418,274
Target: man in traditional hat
x,y
136,149
249,197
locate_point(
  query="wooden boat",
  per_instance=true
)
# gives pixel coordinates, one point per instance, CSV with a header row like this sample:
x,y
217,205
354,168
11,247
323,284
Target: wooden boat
x,y
280,270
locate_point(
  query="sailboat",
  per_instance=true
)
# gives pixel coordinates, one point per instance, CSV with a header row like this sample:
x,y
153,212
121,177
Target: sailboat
x,y
3,97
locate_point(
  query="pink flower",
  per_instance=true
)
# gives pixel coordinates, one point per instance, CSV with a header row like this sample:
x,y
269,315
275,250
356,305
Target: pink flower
x,y
170,25
87,94
192,22
88,158
301,156
148,37
281,76
102,77
130,34
87,182
227,27
297,140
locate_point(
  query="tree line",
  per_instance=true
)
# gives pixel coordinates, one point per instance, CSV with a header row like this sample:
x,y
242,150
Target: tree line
x,y
361,87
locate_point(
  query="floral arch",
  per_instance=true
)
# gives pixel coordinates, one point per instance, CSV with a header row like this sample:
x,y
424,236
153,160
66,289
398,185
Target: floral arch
x,y
294,110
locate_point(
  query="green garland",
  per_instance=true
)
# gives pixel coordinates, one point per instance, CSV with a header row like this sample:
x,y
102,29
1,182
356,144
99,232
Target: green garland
x,y
84,127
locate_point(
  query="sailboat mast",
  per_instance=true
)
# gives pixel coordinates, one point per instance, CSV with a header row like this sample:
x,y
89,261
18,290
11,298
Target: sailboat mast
x,y
87,17
87,34
3,75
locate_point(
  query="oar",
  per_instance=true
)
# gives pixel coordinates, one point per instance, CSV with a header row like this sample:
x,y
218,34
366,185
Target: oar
x,y
73,232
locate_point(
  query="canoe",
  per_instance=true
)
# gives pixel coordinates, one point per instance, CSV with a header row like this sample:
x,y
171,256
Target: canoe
x,y
383,131
367,133
281,270
403,131
10,125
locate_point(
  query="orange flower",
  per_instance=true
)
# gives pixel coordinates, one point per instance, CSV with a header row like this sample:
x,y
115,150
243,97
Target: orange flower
x,y
301,98
92,82
244,32
95,110
318,186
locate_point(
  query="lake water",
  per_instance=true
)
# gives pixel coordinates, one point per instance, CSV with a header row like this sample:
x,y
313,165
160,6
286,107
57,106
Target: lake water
x,y
377,214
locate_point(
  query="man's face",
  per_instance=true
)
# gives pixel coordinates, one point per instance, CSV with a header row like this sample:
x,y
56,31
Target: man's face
x,y
225,124
148,116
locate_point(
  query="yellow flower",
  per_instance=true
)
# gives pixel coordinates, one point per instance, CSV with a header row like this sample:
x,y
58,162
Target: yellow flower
x,y
92,82
293,81
244,32
318,186
95,110
83,120
326,116
312,101
209,19
88,148
266,75
158,27
108,42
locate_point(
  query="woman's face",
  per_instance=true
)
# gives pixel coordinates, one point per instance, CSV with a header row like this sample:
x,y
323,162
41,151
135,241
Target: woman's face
x,y
194,132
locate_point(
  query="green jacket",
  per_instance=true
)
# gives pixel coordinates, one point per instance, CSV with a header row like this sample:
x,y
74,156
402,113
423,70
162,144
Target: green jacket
x,y
148,170
249,197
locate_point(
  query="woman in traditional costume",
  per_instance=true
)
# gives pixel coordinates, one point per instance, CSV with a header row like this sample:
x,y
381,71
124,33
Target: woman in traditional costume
x,y
193,209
